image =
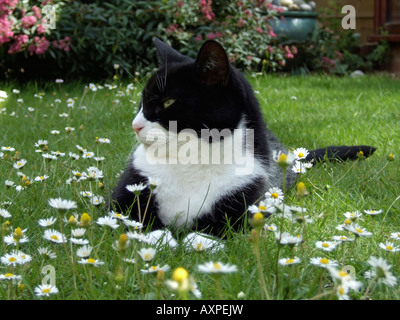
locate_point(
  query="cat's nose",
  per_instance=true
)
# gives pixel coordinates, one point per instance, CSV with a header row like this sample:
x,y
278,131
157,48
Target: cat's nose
x,y
137,127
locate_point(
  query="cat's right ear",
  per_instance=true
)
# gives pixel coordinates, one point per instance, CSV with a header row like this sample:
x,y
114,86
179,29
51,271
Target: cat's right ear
x,y
167,54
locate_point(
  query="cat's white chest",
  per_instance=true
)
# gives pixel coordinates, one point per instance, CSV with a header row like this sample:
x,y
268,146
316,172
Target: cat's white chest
x,y
189,191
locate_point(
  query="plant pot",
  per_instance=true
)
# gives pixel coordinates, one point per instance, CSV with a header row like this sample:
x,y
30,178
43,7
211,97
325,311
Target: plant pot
x,y
295,26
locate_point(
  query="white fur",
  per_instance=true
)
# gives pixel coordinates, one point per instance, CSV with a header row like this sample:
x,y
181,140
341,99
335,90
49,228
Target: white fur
x,y
189,191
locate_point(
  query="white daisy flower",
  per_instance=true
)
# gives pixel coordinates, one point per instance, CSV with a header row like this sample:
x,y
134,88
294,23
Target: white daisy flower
x,y
299,167
117,215
97,200
155,269
275,195
133,224
4,213
202,242
323,262
271,227
54,236
79,241
389,246
285,238
19,164
58,153
47,222
84,251
300,153
45,290
41,178
47,253
10,276
86,194
90,261
289,261
10,149
108,221
342,238
283,159
373,212
79,232
326,245
55,132
147,254
73,156
49,156
381,271
353,215
217,267
61,204
103,140
88,155
135,188
359,231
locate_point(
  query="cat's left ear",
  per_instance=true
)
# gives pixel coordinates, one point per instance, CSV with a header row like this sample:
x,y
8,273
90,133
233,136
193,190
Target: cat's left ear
x,y
213,64
167,54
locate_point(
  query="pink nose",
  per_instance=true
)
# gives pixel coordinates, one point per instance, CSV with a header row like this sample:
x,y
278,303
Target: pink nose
x,y
137,128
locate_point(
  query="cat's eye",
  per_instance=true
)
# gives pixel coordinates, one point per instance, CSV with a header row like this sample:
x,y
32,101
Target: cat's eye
x,y
168,103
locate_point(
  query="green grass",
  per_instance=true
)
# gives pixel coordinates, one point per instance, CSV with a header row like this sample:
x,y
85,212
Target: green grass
x,y
310,112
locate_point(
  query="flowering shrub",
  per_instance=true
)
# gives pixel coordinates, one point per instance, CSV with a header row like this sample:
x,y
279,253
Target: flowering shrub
x,y
91,36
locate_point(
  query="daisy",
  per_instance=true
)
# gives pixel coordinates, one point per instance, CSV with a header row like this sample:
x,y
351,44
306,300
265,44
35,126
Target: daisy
x,y
62,205
153,182
326,245
358,231
88,155
117,215
147,254
47,222
54,236
135,188
93,173
131,261
282,159
49,156
389,246
90,261
4,213
45,290
19,164
73,156
47,253
63,115
108,221
299,167
133,224
41,144
96,200
381,271
394,235
78,241
55,132
84,251
289,261
199,242
11,149
271,227
284,238
155,269
300,153
41,178
10,276
353,215
11,240
217,267
342,238
69,129
58,153
103,140
59,80
86,194
9,183
79,232
323,262
275,195
15,257
373,212
99,159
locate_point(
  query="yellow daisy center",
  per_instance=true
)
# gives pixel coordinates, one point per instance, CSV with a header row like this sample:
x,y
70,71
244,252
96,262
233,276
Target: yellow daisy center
x,y
325,245
359,230
47,290
90,260
324,261
274,195
12,259
389,247
341,290
8,275
282,158
258,216
154,268
217,265
343,273
301,154
288,261
180,274
262,207
147,256
54,237
199,247
347,221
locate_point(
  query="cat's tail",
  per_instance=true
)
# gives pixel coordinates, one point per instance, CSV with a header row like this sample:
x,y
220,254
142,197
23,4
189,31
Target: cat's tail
x,y
339,153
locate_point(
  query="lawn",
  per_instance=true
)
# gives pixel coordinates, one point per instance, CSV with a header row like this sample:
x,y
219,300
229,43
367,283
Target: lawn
x,y
93,122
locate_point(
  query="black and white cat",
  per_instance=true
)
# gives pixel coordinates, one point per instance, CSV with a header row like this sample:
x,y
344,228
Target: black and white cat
x,y
203,138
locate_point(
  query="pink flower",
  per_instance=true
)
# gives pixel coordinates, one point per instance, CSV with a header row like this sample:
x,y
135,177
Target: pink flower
x,y
241,23
36,12
19,40
5,29
28,21
259,30
39,45
180,4
211,36
270,49
40,29
199,38
271,33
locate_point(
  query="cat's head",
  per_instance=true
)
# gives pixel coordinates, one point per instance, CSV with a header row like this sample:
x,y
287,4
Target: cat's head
x,y
195,94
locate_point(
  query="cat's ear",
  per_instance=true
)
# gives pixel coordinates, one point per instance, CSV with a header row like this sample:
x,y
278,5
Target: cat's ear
x,y
213,64
167,54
